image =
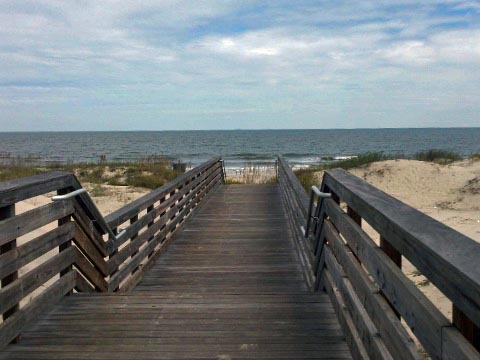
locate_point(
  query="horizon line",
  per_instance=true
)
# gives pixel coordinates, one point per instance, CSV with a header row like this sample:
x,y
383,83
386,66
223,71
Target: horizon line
x,y
246,129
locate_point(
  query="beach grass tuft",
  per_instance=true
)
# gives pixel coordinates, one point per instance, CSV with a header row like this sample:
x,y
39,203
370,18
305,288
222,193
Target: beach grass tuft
x,y
475,157
437,156
308,178
10,172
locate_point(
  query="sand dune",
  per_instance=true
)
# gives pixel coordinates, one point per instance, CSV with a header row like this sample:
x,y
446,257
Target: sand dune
x,y
448,193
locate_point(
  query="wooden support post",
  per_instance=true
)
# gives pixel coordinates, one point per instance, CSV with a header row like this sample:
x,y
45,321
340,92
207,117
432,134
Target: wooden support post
x,y
62,221
150,209
466,327
335,198
396,257
355,217
132,221
112,255
392,253
5,213
67,244
358,220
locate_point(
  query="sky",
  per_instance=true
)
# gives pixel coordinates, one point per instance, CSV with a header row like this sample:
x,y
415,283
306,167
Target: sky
x,y
195,64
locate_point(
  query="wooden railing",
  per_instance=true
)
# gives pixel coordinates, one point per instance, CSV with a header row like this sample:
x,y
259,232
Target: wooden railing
x,y
373,298
75,251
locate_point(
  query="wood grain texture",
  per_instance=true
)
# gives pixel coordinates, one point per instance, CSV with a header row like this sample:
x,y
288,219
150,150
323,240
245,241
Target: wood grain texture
x,y
230,286
425,242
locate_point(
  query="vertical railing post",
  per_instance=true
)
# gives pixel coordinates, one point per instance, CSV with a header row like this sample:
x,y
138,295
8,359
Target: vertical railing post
x,y
466,326
5,213
67,244
396,257
355,217
391,252
276,171
112,256
133,220
151,223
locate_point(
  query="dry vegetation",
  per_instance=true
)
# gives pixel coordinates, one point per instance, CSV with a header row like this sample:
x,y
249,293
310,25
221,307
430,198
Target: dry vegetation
x,y
150,173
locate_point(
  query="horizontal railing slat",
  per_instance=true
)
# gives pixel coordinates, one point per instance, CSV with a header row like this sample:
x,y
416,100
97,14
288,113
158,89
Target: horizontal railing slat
x,y
368,288
425,242
22,255
127,212
12,327
24,223
22,287
85,261
367,331
17,190
382,315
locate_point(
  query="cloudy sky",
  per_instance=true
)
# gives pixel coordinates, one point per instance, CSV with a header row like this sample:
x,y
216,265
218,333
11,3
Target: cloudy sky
x,y
194,64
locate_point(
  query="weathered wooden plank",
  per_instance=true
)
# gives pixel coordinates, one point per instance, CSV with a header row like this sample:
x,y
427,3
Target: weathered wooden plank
x,y
455,347
82,285
356,346
165,206
120,216
7,212
367,331
396,338
14,191
24,223
185,205
89,271
425,320
92,253
14,292
86,224
425,242
22,255
12,327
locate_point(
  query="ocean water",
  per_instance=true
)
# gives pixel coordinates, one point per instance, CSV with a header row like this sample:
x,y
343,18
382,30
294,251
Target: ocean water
x,y
237,147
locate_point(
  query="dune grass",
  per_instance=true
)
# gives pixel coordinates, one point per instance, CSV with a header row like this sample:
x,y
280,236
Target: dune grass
x,y
437,156
475,157
307,176
147,173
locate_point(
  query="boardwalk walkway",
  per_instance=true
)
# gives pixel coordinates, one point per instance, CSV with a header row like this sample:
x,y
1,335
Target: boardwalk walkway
x,y
229,287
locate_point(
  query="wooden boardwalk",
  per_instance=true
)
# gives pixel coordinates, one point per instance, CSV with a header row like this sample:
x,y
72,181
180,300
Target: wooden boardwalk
x,y
230,286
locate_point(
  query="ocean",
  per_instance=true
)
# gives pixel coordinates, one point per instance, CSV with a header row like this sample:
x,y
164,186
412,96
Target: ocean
x,y
237,147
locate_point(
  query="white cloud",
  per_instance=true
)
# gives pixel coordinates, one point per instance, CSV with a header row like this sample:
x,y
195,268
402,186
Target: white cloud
x,y
193,54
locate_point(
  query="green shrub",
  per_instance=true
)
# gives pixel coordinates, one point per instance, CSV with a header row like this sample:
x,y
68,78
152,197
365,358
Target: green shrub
x,y
475,157
437,156
307,176
145,181
360,160
10,172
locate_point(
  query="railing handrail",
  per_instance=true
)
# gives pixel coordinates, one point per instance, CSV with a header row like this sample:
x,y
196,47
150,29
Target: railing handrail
x,y
83,260
314,192
365,281
424,241
124,213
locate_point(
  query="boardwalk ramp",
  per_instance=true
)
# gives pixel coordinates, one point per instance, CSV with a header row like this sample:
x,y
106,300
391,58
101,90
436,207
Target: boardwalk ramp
x,y
202,270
